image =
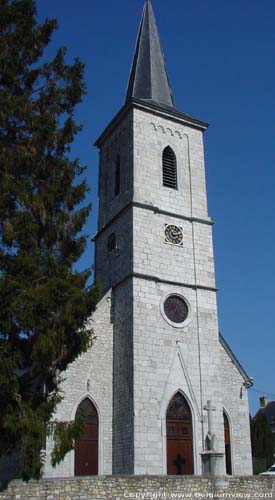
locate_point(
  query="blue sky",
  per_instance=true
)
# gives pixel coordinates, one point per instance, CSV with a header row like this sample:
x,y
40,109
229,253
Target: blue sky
x,y
220,60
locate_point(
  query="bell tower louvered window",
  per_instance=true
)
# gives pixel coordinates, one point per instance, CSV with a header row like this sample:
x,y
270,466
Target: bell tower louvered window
x,y
117,177
169,168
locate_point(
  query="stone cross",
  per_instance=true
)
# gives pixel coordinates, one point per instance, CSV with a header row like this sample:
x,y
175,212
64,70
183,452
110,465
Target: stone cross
x,y
210,435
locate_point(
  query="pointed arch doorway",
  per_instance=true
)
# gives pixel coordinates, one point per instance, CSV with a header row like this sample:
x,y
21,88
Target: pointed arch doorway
x,y
227,442
86,447
179,435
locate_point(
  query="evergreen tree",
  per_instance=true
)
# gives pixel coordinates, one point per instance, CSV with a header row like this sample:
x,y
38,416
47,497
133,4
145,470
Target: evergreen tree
x,y
44,301
263,443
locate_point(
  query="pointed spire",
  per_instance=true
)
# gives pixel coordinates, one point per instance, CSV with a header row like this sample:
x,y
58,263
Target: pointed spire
x,y
148,77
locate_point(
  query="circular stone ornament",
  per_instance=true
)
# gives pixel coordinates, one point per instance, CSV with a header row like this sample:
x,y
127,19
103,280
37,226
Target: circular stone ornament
x,y
173,234
176,310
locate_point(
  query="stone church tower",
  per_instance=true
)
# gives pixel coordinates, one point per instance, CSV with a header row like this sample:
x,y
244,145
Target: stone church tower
x,y
161,391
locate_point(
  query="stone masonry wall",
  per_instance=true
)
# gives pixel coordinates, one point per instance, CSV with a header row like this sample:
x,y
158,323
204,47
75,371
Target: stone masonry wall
x,y
123,412
142,487
118,143
235,403
167,358
112,267
84,379
151,135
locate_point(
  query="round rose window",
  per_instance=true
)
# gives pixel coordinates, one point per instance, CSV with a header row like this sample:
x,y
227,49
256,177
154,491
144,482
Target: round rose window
x,y
175,309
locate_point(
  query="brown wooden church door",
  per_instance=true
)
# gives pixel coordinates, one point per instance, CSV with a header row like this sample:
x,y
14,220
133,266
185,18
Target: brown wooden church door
x,y
179,434
86,447
227,445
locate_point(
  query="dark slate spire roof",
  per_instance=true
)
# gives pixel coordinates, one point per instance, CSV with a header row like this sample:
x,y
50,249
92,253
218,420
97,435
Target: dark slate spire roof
x,y
148,77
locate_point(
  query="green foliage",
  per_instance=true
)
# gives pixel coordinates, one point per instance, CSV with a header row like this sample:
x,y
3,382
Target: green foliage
x,y
64,434
263,443
45,303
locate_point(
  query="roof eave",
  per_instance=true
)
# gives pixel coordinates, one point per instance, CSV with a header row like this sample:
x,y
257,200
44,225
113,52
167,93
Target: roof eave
x,y
170,111
158,109
248,381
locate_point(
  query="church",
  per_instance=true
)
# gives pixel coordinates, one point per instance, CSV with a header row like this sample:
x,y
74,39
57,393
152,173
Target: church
x,y
160,389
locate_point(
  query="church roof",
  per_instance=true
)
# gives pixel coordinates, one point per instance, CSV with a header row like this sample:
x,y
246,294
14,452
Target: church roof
x,y
248,381
148,77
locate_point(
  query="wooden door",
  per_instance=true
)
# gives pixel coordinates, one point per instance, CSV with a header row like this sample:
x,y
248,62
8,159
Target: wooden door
x,y
227,445
86,447
179,434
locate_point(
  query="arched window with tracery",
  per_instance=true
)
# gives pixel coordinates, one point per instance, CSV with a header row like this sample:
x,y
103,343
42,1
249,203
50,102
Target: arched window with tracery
x,y
169,168
86,447
179,432
117,176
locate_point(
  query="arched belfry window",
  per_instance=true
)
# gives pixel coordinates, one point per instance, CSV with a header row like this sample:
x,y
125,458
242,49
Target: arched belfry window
x,y
169,168
117,176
